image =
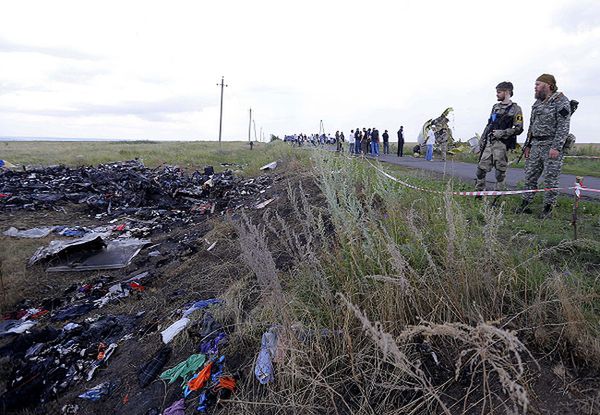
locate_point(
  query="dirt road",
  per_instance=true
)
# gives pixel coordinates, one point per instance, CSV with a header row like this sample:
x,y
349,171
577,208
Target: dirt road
x,y
466,172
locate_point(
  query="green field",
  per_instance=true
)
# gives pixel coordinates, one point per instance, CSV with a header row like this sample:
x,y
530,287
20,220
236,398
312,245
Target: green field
x,y
186,154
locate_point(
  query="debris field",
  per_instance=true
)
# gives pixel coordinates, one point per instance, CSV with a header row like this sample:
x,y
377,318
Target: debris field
x,y
124,318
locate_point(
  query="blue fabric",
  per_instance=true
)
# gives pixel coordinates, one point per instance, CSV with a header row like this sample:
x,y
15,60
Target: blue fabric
x,y
99,392
429,155
203,401
198,305
264,367
263,370
187,390
211,347
217,371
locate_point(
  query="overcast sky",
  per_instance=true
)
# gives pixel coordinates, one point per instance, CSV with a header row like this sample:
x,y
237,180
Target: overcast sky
x,y
149,69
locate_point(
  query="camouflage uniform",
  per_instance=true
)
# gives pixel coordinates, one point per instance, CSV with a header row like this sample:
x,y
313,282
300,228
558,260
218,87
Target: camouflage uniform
x,y
442,135
549,128
495,152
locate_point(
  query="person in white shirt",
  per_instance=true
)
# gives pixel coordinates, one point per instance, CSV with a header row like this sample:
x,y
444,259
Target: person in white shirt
x,y
430,141
351,142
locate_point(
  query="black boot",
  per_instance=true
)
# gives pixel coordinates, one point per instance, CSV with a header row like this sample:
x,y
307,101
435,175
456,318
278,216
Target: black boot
x,y
524,208
547,212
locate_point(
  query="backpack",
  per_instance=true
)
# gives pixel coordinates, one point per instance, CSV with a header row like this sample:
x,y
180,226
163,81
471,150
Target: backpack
x,y
569,143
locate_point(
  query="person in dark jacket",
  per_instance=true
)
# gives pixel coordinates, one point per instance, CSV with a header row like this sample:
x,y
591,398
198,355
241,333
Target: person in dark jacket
x,y
386,142
365,141
375,142
400,141
357,139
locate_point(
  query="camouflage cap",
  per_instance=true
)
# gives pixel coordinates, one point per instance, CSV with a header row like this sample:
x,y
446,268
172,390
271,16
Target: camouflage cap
x,y
548,79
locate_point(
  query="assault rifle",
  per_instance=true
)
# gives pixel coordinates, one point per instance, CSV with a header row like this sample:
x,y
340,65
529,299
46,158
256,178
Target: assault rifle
x,y
573,104
484,137
495,122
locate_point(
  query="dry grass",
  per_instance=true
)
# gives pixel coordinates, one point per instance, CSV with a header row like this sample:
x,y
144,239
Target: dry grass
x,y
434,279
390,301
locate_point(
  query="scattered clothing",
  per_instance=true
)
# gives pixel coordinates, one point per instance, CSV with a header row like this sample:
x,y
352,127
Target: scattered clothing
x,y
199,380
263,370
199,305
151,369
184,369
101,391
177,408
174,329
15,326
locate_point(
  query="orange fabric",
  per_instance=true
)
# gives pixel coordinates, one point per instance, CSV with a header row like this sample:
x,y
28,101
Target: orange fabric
x,y
226,382
101,349
199,381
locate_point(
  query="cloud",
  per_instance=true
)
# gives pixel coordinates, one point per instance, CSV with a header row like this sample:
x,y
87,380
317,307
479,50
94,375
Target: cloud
x,y
579,16
268,89
56,52
8,87
76,75
150,111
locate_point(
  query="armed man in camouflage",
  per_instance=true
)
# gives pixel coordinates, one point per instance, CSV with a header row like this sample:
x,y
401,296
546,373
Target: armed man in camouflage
x,y
548,131
442,134
500,135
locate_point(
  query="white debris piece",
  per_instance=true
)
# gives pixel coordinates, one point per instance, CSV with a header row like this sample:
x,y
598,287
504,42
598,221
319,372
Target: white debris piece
x,y
264,204
174,329
270,166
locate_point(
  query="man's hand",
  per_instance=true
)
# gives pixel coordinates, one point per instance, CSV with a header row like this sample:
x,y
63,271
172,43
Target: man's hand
x,y
526,152
553,153
498,134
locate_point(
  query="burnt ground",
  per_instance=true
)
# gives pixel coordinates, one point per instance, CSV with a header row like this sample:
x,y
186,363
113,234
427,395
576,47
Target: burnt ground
x,y
184,272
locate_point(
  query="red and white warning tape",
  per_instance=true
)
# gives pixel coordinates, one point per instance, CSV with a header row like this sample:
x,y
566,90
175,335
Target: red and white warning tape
x,y
578,188
584,157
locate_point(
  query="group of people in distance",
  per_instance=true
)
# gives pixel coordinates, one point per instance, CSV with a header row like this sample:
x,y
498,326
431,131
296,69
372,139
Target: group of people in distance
x,y
365,141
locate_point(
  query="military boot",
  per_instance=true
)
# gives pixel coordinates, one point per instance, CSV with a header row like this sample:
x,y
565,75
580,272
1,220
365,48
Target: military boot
x,y
524,208
547,212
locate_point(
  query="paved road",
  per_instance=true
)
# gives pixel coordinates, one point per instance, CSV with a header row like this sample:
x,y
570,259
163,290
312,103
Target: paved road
x,y
466,172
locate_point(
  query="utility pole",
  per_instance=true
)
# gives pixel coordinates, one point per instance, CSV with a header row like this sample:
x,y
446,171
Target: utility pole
x,y
222,84
249,125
